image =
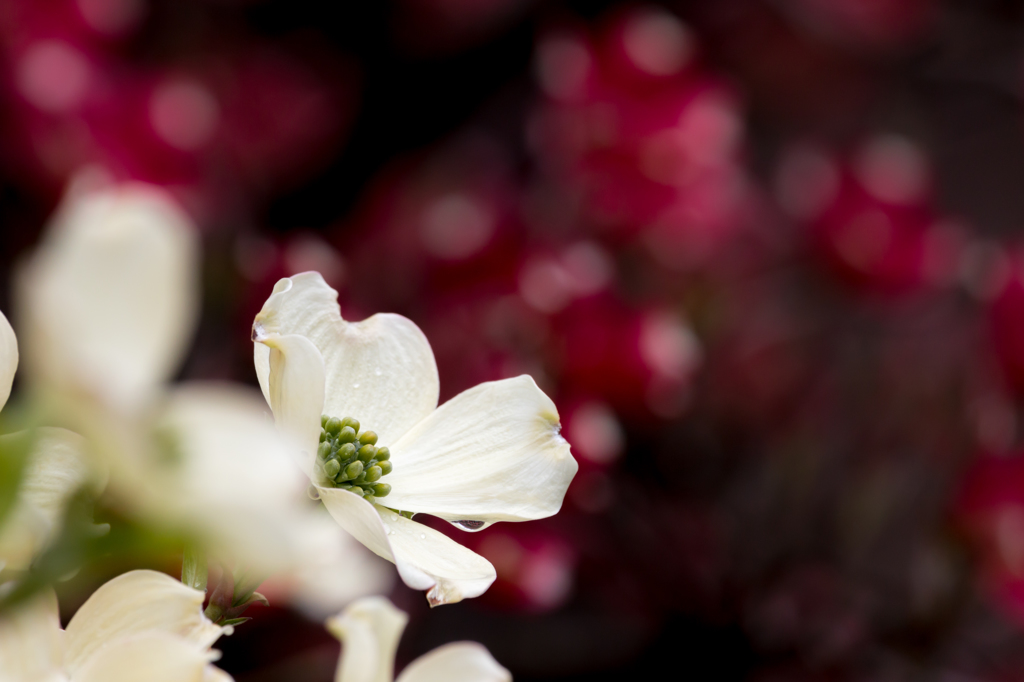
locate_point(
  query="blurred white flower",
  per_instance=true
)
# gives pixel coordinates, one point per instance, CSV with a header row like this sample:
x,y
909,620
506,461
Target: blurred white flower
x,y
208,461
335,569
108,302
107,307
369,630
492,453
142,625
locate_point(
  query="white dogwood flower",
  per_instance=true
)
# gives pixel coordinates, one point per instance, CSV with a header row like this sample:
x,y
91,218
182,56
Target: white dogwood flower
x,y
142,625
361,398
369,630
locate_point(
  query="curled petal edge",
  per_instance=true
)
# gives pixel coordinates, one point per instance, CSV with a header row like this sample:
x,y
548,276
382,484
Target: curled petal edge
x,y
296,390
380,371
425,558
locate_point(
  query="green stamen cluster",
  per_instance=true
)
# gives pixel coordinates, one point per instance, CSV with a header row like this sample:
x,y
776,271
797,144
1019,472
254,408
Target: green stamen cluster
x,y
351,460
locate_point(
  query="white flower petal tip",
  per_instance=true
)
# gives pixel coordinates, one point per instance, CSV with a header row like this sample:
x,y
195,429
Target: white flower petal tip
x,y
380,371
456,662
118,267
259,333
492,453
377,612
135,603
369,630
8,359
425,558
214,674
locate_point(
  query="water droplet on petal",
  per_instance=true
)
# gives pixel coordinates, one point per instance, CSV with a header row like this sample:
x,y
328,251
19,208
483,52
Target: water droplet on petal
x,y
470,524
423,536
377,371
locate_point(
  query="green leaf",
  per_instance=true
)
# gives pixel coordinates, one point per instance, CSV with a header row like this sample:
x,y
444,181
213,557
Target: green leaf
x,y
255,598
245,586
234,621
193,567
91,535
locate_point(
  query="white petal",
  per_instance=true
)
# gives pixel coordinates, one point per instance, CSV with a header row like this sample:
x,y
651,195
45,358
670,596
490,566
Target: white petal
x,y
492,453
214,674
150,656
24,533
8,359
108,302
369,630
134,603
296,391
456,662
425,558
334,569
208,462
232,475
380,371
57,467
30,642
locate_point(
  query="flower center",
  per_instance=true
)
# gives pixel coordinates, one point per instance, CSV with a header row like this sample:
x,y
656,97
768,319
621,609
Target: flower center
x,y
351,460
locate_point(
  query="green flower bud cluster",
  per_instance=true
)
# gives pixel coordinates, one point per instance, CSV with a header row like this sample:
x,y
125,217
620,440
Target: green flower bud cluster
x,y
351,460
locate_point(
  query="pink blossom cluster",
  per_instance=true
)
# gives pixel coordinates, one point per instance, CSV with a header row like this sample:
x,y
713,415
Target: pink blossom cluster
x,y
217,115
